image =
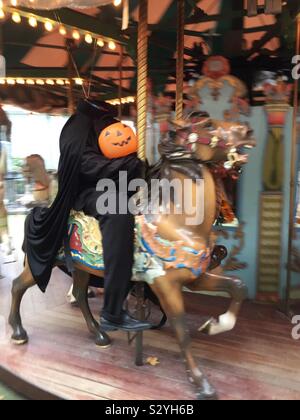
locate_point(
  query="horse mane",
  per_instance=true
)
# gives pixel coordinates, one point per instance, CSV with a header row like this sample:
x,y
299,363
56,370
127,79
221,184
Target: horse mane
x,y
176,158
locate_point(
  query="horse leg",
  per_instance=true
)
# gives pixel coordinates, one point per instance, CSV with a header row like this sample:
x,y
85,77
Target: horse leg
x,y
71,297
217,283
20,285
90,293
80,292
169,291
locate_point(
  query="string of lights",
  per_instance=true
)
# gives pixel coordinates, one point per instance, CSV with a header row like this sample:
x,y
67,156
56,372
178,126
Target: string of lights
x,y
18,16
11,81
123,101
39,81
50,25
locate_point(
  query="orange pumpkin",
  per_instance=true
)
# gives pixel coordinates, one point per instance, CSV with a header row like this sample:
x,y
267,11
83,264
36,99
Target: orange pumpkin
x,y
118,140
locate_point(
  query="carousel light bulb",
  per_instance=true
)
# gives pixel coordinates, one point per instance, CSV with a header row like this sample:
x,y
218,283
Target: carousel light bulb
x,y
100,43
62,31
2,14
79,81
50,82
2,81
14,3
112,45
16,17
76,35
32,21
117,3
88,39
30,82
49,26
40,82
60,82
11,81
21,81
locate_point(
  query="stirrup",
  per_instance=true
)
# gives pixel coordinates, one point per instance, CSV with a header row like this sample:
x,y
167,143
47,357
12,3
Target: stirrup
x,y
218,255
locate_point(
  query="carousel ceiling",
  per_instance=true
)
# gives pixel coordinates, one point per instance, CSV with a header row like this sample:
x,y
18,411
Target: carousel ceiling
x,y
88,43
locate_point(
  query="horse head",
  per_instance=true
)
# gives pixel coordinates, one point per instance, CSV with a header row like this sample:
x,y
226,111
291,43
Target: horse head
x,y
34,167
211,141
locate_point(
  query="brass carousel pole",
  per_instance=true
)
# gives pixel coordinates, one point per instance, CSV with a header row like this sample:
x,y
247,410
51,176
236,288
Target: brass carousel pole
x,y
142,100
180,59
142,77
121,82
293,179
71,102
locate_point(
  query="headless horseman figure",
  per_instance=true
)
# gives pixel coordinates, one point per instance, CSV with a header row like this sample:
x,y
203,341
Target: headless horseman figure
x,y
83,164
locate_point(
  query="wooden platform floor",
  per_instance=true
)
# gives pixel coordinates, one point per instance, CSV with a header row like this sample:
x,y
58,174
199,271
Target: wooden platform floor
x,y
258,360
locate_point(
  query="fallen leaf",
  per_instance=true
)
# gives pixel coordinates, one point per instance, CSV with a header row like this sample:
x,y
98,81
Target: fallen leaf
x,y
153,361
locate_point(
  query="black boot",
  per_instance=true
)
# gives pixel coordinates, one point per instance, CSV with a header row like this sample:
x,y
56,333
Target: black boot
x,y
127,323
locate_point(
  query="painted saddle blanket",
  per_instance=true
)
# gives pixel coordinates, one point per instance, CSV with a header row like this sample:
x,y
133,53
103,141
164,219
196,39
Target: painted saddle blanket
x,y
153,254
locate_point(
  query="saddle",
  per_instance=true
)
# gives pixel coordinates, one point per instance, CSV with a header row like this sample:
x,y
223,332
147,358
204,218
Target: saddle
x,y
153,254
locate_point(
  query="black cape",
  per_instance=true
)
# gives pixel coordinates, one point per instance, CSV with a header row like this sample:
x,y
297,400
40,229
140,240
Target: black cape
x,y
46,228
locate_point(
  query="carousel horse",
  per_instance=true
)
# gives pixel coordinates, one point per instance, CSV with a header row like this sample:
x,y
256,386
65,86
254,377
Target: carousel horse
x,y
5,240
34,168
170,254
4,237
3,214
5,123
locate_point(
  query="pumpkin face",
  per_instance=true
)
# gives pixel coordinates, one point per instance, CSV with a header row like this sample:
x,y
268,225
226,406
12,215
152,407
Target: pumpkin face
x,y
117,140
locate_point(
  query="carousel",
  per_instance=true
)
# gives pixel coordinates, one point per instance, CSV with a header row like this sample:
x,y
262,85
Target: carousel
x,y
205,93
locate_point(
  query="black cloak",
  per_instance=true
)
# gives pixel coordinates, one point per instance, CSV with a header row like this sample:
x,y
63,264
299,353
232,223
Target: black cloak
x,y
46,228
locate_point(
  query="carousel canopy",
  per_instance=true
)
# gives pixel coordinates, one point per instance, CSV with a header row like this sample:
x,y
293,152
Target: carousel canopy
x,y
71,44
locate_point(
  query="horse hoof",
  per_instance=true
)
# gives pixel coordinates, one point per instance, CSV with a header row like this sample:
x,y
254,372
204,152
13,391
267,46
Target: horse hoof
x,y
19,339
207,392
103,340
205,328
204,397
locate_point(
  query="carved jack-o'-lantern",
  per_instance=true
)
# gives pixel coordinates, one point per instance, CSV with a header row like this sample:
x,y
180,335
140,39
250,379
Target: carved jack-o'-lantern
x,y
118,140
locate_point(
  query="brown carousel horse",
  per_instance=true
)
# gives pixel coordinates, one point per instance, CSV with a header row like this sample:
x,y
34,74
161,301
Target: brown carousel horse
x,y
177,254
6,124
34,168
5,240
3,212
